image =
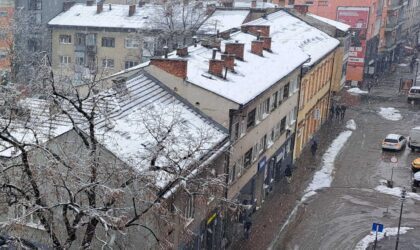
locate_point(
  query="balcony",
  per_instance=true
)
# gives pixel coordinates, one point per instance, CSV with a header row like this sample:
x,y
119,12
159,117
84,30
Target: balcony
x,y
395,5
79,48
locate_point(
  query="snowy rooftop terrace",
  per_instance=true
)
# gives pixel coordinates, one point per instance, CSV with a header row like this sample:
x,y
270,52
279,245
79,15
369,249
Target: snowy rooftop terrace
x,y
223,20
135,117
81,15
294,33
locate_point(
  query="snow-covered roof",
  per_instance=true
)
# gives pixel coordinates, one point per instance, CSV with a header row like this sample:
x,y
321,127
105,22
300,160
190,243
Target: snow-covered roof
x,y
294,33
339,25
223,20
131,119
81,15
248,3
252,76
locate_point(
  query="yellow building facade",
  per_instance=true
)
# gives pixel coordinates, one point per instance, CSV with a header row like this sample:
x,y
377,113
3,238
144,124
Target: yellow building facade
x,y
314,101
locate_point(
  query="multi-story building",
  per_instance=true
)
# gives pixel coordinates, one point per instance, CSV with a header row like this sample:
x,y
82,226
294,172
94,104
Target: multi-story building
x,y
6,38
364,18
317,74
411,22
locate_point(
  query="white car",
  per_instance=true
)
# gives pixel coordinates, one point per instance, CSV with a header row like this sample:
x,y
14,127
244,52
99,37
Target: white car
x,y
394,142
414,93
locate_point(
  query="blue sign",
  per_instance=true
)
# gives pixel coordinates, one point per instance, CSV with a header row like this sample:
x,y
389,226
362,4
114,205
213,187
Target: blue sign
x,y
262,163
377,227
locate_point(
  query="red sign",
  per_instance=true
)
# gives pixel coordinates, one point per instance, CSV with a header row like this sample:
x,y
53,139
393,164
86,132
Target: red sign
x,y
357,18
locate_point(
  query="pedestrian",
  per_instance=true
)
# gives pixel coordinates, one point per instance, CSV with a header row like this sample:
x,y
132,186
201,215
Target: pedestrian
x,y
314,147
337,112
343,111
332,111
369,86
247,227
288,173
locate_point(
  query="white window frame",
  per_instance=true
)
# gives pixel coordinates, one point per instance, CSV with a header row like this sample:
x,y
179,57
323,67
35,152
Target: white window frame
x,y
64,60
131,43
65,39
106,63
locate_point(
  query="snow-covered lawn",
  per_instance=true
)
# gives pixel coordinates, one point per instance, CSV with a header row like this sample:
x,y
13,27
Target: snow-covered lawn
x,y
368,239
357,91
324,176
391,114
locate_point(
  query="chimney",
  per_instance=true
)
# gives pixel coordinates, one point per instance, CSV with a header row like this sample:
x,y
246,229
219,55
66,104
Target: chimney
x,y
89,2
266,42
264,30
131,9
182,52
176,67
229,60
216,67
301,8
254,4
236,49
99,7
67,5
257,47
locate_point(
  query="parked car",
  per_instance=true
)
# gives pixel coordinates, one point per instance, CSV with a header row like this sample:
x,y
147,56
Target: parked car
x,y
394,142
414,139
414,93
415,165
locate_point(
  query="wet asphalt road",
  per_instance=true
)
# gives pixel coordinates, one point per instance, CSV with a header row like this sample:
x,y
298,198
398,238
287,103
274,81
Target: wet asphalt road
x,y
340,216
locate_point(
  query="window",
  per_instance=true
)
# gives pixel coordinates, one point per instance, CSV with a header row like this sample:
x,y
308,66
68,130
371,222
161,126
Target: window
x,y
286,91
273,101
280,96
189,208
129,64
248,158
34,45
232,173
107,63
3,13
35,4
108,42
65,39
80,60
131,43
263,143
251,119
283,125
3,54
65,59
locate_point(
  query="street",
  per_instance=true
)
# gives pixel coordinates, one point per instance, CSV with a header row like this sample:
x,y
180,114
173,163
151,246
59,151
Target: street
x,y
340,216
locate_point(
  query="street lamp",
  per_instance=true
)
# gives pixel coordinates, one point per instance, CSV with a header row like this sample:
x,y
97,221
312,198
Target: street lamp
x,y
399,222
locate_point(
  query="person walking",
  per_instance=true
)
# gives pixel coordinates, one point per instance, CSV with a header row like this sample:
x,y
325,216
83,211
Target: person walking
x,y
343,111
332,111
288,173
369,86
337,112
247,227
314,148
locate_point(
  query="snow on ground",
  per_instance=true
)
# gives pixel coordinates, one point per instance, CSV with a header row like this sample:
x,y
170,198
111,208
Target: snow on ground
x,y
351,124
368,239
396,191
357,91
391,114
324,176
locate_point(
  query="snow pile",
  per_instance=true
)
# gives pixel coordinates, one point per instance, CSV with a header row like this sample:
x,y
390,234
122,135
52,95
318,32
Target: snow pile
x,y
391,114
351,124
396,191
392,231
357,91
323,177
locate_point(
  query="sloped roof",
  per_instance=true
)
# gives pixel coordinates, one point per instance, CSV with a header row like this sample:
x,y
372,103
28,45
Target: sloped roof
x,y
341,26
293,32
223,20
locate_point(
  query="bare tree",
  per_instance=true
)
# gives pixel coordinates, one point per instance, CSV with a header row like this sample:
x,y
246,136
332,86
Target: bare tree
x,y
68,167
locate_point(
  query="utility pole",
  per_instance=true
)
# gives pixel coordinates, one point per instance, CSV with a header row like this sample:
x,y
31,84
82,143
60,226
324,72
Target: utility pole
x,y
399,222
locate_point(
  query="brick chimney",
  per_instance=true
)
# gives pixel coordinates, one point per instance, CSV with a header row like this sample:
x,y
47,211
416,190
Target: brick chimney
x,y
229,60
254,4
182,52
99,7
215,65
89,2
176,67
131,9
236,49
67,5
263,30
301,8
266,42
257,47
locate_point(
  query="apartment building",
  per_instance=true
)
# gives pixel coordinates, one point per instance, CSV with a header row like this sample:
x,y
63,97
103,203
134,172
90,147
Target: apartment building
x,y
6,40
364,18
101,39
317,74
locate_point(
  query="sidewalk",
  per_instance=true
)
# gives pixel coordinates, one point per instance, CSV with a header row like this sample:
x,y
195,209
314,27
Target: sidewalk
x,y
281,201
